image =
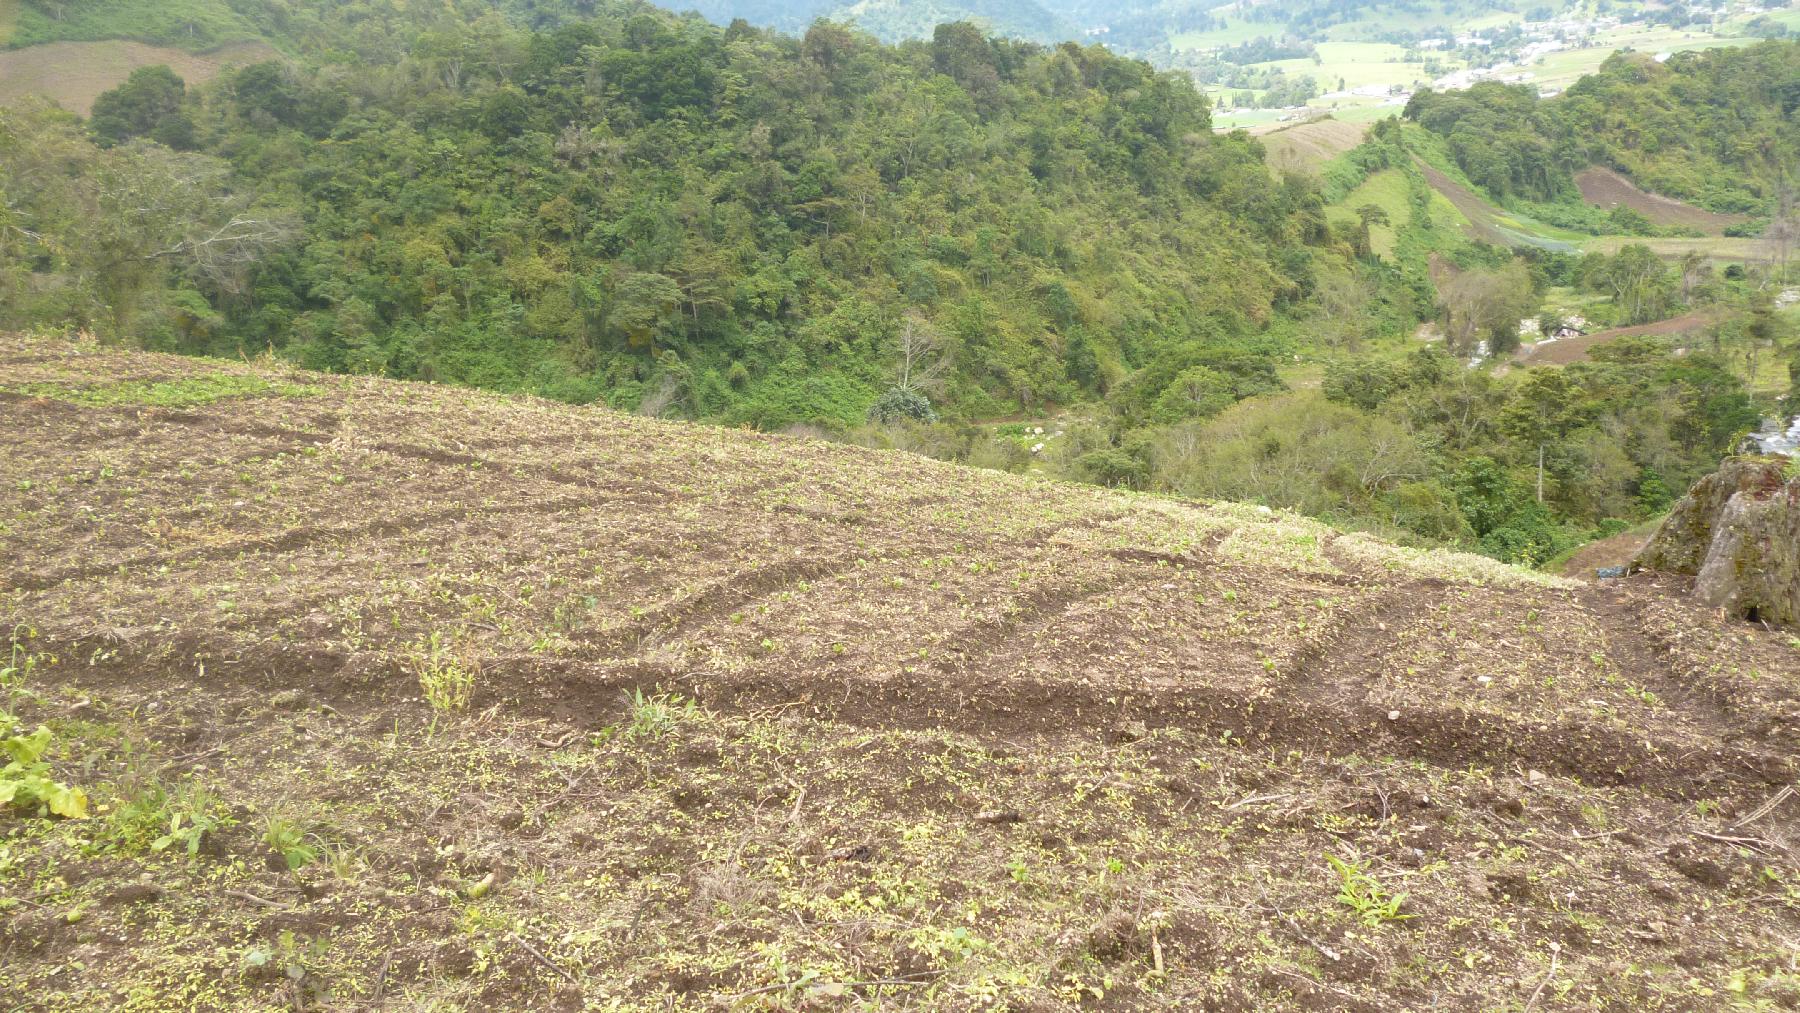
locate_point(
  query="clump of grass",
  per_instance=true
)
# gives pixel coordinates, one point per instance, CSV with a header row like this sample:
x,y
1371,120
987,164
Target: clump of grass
x,y
287,839
446,676
650,717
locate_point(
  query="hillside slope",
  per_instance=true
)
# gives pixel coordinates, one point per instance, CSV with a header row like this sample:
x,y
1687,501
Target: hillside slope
x,y
74,74
959,736
650,211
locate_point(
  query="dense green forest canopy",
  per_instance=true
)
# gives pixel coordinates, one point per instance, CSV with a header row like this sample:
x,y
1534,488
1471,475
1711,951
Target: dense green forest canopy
x,y
1717,127
733,221
606,202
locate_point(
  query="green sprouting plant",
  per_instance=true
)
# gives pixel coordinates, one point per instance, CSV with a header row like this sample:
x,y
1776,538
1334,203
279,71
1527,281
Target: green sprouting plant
x,y
25,781
652,717
1363,894
446,677
136,820
947,946
197,812
290,955
285,837
17,668
344,861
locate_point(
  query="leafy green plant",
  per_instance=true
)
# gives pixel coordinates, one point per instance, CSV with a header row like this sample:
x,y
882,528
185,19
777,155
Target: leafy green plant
x,y
286,839
20,663
197,812
25,781
446,676
289,956
1363,894
137,820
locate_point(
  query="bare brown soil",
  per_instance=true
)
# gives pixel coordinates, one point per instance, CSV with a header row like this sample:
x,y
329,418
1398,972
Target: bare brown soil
x,y
1618,550
1304,147
961,740
74,74
1567,350
1606,188
1480,215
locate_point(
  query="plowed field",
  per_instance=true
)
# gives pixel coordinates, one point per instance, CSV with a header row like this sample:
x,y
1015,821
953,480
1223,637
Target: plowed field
x,y
762,723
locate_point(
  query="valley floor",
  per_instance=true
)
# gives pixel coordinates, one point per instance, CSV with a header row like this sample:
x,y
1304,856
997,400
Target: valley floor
x,y
728,720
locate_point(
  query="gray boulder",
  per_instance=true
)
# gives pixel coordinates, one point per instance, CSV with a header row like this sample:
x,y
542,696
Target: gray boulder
x,y
1737,533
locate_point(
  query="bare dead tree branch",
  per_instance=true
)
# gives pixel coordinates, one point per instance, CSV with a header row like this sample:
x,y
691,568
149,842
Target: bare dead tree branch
x,y
922,362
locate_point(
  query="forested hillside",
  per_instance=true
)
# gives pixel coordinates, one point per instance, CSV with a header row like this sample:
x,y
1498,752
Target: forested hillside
x,y
1026,257
737,223
1718,127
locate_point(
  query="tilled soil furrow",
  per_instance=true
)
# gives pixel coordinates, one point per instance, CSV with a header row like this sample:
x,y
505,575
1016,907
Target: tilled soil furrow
x,y
736,592
296,539
587,692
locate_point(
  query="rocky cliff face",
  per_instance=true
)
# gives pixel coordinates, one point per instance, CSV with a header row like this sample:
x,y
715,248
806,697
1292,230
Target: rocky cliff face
x,y
1737,531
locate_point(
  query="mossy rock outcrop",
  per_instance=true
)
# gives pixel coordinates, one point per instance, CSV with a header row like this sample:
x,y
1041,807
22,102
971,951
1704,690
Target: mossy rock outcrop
x,y
1737,532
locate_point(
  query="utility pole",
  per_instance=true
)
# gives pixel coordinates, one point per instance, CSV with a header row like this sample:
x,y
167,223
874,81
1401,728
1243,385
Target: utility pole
x,y
1540,491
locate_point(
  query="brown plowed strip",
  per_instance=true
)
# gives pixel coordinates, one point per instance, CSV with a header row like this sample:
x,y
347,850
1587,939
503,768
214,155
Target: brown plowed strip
x,y
1605,188
579,691
291,540
1567,350
1481,219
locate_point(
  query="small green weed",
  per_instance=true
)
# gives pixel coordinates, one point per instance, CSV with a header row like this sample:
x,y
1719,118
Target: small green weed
x,y
289,956
344,861
1360,892
137,820
20,663
18,667
197,812
653,717
446,676
945,946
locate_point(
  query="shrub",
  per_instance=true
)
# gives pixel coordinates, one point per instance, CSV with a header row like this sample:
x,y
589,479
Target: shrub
x,y
899,404
1112,467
